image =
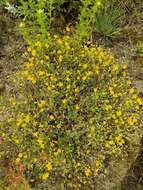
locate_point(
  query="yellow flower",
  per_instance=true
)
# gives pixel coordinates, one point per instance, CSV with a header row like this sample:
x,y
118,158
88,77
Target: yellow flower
x,y
85,66
47,57
49,88
139,101
89,73
109,143
111,90
108,107
64,101
29,65
125,66
25,54
41,143
68,86
41,73
77,107
52,117
33,52
42,61
119,140
78,164
128,102
49,166
25,73
35,134
98,3
21,25
67,46
32,79
68,29
97,164
137,107
114,149
20,155
13,101
60,84
17,160
19,121
134,96
84,78
60,58
115,67
114,85
59,52
55,36
59,126
45,176
67,79
129,82
27,119
87,172
38,44
25,156
29,49
76,90
97,167
97,71
42,104
41,110
16,141
131,121
118,113
116,121
59,41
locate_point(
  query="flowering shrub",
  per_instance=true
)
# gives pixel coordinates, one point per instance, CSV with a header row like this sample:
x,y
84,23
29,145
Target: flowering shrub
x,y
76,110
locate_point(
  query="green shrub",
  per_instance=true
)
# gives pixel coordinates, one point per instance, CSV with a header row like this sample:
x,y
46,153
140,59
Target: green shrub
x,y
43,16
40,17
76,110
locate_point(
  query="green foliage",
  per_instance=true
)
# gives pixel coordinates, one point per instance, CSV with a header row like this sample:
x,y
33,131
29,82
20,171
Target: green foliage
x,y
76,109
2,2
108,22
37,20
87,18
40,16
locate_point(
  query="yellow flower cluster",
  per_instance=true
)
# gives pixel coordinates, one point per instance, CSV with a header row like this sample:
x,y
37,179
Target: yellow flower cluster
x,y
77,108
